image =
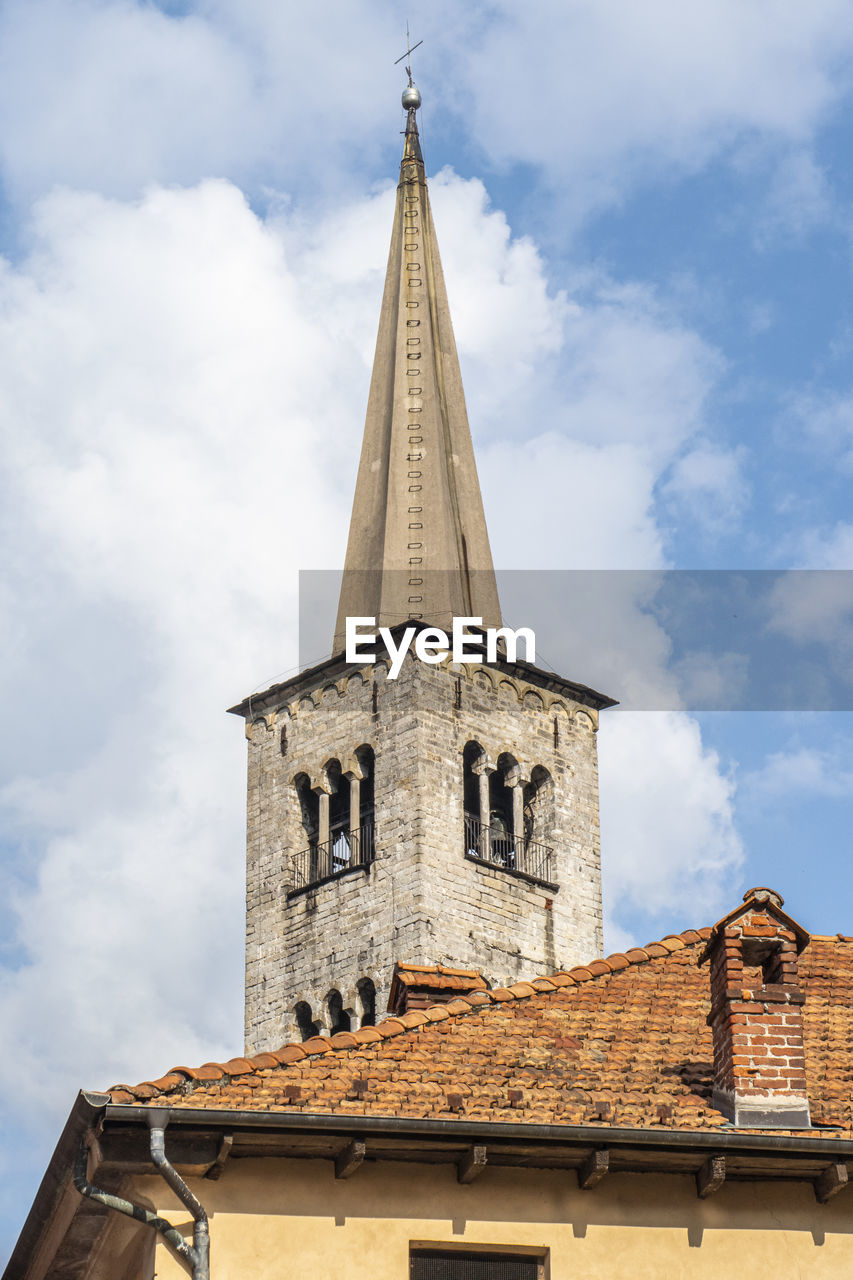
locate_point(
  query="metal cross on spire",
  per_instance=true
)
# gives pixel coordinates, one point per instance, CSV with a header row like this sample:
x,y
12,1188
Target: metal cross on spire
x,y
409,51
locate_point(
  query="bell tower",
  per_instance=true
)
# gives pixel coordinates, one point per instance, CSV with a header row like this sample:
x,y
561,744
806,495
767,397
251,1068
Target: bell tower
x,y
448,816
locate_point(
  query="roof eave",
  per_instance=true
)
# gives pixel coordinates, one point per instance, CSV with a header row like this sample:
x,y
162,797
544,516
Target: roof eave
x,y
87,1108
461,1129
124,1142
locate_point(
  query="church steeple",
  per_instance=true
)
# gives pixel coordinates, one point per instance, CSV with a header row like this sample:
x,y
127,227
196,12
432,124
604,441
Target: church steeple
x,y
437,814
418,545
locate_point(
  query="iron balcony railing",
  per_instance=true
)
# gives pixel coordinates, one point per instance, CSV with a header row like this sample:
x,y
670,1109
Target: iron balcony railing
x,y
513,853
343,851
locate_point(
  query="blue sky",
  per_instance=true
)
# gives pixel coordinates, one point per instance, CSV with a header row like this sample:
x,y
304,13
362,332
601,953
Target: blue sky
x,y
644,215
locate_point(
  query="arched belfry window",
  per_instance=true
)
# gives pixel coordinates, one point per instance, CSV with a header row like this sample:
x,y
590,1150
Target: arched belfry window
x,y
474,806
309,804
339,786
503,803
339,850
507,818
336,807
538,809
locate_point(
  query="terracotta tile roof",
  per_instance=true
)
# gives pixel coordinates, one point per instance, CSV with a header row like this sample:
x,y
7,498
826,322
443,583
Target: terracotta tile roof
x,y
439,976
620,1041
419,986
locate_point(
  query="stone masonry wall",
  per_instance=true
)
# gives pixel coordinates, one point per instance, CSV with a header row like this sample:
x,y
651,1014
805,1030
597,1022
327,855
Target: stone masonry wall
x,y
421,901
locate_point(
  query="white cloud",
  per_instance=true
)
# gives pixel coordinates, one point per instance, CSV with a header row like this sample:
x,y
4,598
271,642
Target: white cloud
x,y
165,456
813,607
760,317
112,94
489,274
710,680
613,92
707,484
826,421
786,775
832,549
553,502
799,198
608,368
667,821
631,372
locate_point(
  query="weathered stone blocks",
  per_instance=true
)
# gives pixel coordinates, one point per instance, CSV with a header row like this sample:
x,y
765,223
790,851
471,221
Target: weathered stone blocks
x,y
421,900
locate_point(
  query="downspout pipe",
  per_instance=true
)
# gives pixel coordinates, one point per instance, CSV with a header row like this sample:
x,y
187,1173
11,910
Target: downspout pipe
x,y
157,1121
196,1255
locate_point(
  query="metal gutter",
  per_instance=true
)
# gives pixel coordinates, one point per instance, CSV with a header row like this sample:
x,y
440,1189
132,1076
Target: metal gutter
x,y
495,1131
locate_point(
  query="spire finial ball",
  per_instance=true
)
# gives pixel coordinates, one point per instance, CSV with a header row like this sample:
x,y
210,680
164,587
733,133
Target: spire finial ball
x,y
411,97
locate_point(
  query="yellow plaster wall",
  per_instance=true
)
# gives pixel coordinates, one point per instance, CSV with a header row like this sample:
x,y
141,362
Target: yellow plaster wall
x,y
291,1218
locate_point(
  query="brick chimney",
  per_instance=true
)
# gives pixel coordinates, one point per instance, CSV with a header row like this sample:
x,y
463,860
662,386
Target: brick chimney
x,y
757,1015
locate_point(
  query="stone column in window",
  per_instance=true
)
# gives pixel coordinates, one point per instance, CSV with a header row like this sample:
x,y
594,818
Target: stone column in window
x,y
357,852
483,769
323,832
320,859
515,782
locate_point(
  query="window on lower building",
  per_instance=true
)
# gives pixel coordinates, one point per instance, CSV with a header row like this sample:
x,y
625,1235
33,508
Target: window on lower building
x,y
442,1264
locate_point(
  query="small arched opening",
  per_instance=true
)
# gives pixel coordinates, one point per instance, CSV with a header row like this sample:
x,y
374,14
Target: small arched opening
x,y
367,1002
501,810
472,753
475,817
306,1025
339,1017
538,806
363,812
339,851
306,861
309,804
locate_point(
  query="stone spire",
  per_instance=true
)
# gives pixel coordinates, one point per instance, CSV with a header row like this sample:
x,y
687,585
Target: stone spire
x,y
418,545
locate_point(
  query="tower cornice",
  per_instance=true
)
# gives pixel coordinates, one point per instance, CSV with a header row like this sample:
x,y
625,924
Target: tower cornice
x,y
336,667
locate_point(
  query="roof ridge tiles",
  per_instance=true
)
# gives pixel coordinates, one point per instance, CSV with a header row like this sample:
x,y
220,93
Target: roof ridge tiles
x,y
473,998
437,968
187,1078
367,1035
